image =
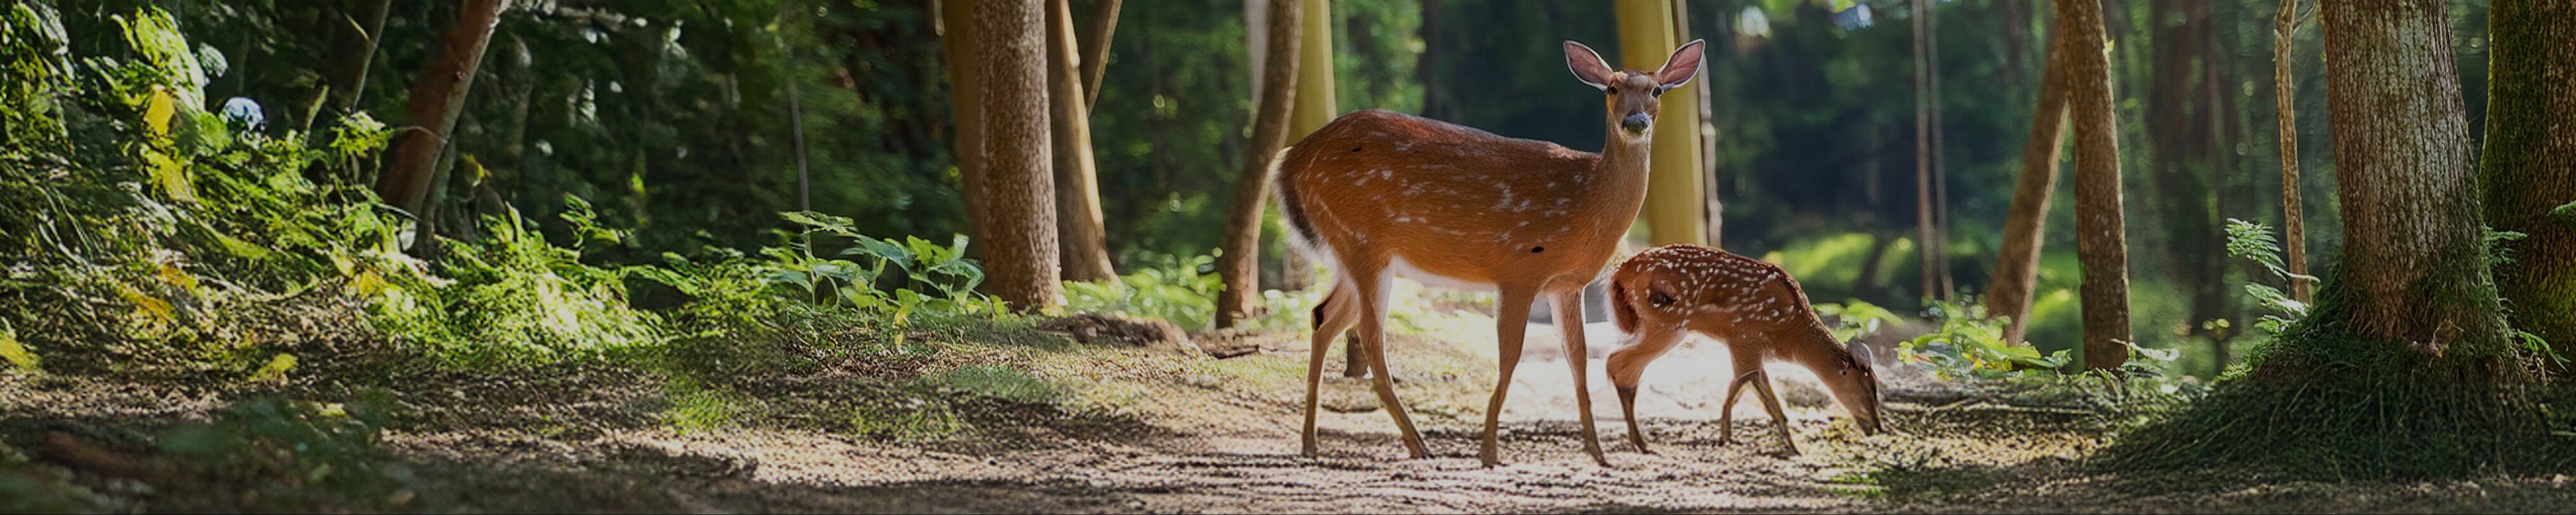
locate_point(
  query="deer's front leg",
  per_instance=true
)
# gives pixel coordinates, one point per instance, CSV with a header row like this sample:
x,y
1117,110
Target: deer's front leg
x,y
1726,410
1513,324
1569,318
1772,402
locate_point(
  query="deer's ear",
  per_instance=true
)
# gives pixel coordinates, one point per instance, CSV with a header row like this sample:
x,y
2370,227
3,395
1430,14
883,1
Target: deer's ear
x,y
1860,352
1683,65
1587,66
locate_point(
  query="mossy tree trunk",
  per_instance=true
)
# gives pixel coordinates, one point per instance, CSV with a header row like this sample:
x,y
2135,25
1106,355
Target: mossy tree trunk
x,y
1019,184
2530,162
2414,257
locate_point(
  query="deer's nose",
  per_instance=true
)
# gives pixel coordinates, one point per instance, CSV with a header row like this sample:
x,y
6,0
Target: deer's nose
x,y
1636,122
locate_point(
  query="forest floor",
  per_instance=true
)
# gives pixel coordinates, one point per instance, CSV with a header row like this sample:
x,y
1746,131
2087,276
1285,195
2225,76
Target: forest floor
x,y
1099,428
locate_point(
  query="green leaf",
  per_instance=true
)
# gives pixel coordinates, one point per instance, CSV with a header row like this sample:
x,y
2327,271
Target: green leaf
x,y
275,370
16,353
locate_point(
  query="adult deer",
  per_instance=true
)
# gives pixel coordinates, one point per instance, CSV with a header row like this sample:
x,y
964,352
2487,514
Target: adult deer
x,y
1376,194
1754,307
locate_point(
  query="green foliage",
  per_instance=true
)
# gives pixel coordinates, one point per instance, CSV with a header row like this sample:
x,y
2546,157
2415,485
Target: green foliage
x,y
1181,290
2253,241
1968,344
2319,401
296,456
1855,318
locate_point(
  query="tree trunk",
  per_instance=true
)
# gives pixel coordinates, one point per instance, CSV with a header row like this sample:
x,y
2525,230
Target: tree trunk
x,y
1239,263
2101,237
1674,211
966,95
436,100
1940,163
1714,212
1316,105
1095,52
1426,71
2285,97
2530,162
1925,235
1019,198
2017,268
1084,237
2414,258
2182,114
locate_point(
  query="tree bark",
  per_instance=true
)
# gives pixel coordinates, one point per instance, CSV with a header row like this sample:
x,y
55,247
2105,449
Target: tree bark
x,y
1239,263
1674,211
2101,237
436,101
1095,52
965,93
2017,268
1714,212
1020,241
1316,105
1940,161
2530,162
1926,237
2285,97
1083,235
2414,265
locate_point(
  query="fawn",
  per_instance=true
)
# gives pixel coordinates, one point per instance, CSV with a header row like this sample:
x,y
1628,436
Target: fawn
x,y
1754,307
1376,194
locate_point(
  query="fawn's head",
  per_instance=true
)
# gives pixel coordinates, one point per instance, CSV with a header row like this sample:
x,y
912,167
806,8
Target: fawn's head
x,y
1634,96
1854,384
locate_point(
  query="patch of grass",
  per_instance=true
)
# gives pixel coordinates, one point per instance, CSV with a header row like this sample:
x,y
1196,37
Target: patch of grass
x,y
998,381
702,410
913,421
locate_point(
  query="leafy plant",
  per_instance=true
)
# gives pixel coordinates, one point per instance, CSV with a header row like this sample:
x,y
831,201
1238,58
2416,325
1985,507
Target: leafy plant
x,y
1178,289
1968,344
2254,241
1855,318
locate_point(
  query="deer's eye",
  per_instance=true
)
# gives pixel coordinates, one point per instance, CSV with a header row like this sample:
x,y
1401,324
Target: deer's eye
x,y
1659,298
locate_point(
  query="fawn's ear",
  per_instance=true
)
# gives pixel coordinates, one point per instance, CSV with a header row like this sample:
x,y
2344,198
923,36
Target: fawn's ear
x,y
1860,353
1683,65
1588,66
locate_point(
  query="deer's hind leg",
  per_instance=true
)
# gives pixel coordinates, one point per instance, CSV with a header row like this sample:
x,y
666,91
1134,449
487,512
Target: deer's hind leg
x,y
1334,315
1370,282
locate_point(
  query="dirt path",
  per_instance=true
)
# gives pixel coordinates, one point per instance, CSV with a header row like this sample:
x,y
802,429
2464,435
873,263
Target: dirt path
x,y
1139,431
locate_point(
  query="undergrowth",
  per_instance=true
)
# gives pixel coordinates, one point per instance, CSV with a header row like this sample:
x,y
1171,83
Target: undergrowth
x,y
145,234
2317,400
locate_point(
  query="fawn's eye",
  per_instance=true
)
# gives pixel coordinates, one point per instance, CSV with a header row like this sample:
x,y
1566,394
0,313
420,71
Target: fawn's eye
x,y
1659,298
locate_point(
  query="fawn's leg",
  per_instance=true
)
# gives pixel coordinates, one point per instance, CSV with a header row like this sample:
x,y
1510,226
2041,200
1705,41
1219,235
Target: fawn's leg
x,y
1654,342
1748,366
1370,284
1333,316
1512,317
1569,318
1772,402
